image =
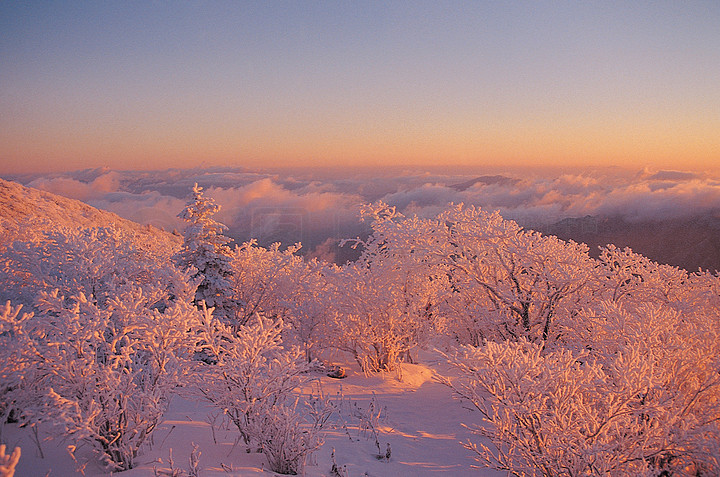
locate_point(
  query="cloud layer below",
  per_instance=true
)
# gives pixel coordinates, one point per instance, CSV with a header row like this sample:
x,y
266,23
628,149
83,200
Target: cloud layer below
x,y
315,207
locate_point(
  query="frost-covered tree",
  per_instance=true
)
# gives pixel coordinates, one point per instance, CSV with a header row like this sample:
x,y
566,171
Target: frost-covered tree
x,y
105,345
641,398
205,249
103,374
251,372
385,302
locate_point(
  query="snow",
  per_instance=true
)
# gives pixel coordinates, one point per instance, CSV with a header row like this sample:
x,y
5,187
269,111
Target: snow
x,y
26,213
579,365
421,423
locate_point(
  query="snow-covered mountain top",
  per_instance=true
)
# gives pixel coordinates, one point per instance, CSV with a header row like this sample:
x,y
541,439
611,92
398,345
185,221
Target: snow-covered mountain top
x,y
27,213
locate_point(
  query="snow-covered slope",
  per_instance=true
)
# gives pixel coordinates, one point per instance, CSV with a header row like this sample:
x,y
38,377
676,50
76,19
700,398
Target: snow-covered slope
x,y
27,213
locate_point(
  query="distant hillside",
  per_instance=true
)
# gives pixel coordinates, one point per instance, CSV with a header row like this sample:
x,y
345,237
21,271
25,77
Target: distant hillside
x,y
689,243
27,213
486,180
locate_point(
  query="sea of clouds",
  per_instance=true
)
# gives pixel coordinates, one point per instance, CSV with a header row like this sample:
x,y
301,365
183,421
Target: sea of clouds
x,y
319,207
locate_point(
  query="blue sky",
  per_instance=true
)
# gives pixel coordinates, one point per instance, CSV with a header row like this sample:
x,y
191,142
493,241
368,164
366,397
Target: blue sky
x,y
159,84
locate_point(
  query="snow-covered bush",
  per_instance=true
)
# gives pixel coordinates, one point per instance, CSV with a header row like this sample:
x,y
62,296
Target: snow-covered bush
x,y
701,296
206,251
262,278
251,380
287,436
642,398
372,320
99,369
385,302
523,281
15,363
251,372
104,374
631,279
112,298
90,261
308,307
481,276
281,284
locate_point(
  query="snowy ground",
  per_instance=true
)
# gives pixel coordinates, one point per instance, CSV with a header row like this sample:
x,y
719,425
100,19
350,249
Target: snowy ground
x,y
421,423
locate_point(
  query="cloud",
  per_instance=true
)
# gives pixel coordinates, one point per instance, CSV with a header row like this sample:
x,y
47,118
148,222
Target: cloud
x,y
76,189
642,202
268,211
317,208
424,196
146,208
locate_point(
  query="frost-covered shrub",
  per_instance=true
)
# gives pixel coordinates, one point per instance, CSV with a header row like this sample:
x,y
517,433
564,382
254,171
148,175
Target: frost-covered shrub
x,y
109,371
547,414
103,374
250,374
641,399
385,302
372,320
632,280
113,322
308,307
522,283
287,436
281,284
475,275
90,261
15,362
682,350
263,278
702,295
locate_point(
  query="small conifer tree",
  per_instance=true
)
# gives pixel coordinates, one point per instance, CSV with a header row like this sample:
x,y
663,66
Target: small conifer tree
x,y
205,248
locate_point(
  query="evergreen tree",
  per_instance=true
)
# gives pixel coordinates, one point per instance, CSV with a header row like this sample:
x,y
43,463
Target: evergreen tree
x,y
205,248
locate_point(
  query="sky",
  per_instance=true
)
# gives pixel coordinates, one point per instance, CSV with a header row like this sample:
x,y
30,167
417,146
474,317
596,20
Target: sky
x,y
153,85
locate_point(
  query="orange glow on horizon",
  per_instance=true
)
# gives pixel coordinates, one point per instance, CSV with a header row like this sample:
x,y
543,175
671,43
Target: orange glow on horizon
x,y
336,139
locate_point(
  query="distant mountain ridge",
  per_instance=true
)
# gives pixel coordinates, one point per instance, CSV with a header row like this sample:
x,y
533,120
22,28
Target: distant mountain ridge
x,y
688,243
486,180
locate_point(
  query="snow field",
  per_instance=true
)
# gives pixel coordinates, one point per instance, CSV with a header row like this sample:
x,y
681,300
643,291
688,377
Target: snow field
x,y
420,420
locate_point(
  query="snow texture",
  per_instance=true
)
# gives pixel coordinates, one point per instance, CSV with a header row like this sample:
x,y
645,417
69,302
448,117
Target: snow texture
x,y
466,343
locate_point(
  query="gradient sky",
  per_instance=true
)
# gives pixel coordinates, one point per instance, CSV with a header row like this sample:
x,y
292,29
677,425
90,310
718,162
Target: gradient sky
x,y
150,85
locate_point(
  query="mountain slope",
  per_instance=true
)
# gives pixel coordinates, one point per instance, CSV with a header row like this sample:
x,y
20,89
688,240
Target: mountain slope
x,y
689,243
27,213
